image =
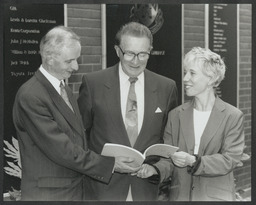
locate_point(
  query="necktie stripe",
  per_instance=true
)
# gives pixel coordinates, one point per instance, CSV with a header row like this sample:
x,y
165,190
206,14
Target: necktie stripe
x,y
64,95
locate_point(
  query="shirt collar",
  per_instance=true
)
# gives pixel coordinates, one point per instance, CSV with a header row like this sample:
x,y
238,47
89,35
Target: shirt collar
x,y
54,81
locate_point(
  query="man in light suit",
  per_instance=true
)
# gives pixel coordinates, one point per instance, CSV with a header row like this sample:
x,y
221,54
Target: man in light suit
x,y
102,102
54,153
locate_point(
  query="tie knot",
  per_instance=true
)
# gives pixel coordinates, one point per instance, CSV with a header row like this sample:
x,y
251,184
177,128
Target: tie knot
x,y
62,84
133,79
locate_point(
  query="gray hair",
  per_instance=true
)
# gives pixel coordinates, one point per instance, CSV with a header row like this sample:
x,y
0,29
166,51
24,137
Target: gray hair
x,y
211,63
134,29
55,40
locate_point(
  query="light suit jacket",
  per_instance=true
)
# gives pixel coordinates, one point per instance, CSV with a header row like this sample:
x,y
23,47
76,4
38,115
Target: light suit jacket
x,y
53,146
220,150
99,103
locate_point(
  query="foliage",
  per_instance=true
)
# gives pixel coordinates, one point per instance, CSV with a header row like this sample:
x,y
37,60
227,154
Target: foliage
x,y
12,151
15,195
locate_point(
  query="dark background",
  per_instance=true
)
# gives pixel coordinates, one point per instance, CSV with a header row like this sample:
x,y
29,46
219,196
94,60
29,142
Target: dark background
x,y
228,15
26,64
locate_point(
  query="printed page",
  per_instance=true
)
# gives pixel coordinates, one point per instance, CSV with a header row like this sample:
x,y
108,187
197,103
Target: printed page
x,y
163,150
114,150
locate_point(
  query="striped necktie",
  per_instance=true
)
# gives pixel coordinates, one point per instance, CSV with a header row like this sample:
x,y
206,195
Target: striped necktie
x,y
64,95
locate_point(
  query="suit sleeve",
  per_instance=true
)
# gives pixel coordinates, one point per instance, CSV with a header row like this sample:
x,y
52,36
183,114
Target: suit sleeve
x,y
85,104
231,151
37,120
164,167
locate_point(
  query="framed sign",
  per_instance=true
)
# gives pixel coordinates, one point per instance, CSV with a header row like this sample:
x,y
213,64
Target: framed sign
x,y
24,26
223,40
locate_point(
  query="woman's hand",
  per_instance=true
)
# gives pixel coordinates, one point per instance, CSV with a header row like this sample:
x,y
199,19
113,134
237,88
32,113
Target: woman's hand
x,y
183,159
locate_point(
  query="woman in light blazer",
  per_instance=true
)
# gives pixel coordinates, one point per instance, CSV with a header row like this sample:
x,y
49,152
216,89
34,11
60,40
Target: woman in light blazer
x,y
208,132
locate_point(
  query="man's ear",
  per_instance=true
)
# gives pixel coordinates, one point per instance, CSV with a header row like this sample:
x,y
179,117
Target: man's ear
x,y
117,50
49,60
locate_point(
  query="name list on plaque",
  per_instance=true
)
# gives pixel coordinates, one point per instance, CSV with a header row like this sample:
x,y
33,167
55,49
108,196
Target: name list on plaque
x,y
24,26
223,41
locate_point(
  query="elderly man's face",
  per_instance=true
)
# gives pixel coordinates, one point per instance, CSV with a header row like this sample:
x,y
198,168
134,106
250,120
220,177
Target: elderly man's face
x,y
130,44
66,63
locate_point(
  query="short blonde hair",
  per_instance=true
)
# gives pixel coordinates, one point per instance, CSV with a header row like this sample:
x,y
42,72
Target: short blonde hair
x,y
211,63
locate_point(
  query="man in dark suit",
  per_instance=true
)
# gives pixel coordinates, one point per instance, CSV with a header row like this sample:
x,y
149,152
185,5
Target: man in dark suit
x,y
54,153
102,102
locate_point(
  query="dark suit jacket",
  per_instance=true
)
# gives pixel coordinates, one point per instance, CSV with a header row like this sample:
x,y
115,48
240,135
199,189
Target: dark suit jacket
x,y
53,147
220,151
99,103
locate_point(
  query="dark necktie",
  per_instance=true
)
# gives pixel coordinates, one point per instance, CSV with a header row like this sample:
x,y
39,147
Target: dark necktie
x,y
64,95
131,116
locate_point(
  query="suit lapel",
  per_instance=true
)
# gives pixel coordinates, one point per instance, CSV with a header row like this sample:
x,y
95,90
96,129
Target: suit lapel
x,y
74,104
212,125
112,98
71,118
187,126
150,104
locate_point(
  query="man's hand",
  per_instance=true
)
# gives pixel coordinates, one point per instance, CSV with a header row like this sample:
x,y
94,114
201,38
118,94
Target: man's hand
x,y
183,159
125,165
146,171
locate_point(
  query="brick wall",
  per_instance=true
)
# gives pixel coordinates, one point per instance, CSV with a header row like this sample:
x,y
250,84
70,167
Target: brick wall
x,y
85,20
193,26
243,174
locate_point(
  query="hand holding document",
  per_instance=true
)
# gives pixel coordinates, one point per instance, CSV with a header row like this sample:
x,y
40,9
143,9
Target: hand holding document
x,y
146,171
125,165
115,150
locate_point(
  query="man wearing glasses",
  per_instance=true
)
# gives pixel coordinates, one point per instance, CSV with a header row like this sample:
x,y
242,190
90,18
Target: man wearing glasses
x,y
127,104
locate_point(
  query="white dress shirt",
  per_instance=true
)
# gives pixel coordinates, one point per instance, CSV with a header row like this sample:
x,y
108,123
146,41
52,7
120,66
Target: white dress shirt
x,y
54,81
139,90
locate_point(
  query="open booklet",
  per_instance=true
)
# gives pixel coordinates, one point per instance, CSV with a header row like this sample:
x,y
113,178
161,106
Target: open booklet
x,y
114,150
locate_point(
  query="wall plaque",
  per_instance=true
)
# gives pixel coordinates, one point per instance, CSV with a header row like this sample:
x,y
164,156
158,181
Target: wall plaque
x,y
223,40
24,26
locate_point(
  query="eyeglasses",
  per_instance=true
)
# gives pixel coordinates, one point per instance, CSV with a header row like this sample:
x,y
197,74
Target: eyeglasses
x,y
128,55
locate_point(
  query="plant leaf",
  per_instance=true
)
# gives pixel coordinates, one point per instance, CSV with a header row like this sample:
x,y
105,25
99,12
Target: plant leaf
x,y
10,147
245,157
15,143
14,166
12,172
11,154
